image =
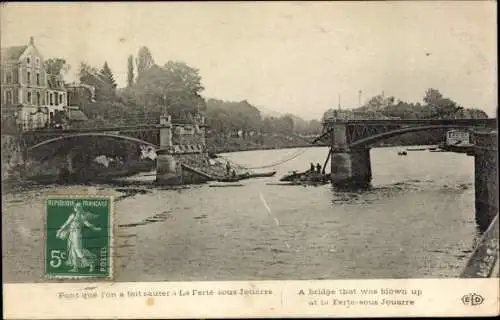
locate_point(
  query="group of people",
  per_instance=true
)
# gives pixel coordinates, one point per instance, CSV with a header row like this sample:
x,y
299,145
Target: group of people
x,y
316,168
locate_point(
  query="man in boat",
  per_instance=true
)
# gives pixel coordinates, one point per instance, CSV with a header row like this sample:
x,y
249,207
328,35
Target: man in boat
x,y
228,168
312,167
318,167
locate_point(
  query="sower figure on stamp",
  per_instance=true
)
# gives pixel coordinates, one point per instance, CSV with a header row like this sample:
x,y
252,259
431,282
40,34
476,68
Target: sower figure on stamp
x,y
71,231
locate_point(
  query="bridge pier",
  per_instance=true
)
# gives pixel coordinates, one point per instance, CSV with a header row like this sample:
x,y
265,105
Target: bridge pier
x,y
349,166
485,178
166,165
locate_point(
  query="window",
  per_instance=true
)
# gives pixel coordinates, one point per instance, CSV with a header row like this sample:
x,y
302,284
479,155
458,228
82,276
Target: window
x,y
37,62
8,77
38,98
29,77
28,60
51,98
8,97
29,97
37,79
61,98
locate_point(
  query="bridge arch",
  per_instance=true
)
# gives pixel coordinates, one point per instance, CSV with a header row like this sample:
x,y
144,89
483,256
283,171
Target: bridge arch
x,y
92,134
365,142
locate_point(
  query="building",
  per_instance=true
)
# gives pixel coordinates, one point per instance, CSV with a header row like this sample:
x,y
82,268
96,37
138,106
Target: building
x,y
347,114
56,93
24,85
457,137
29,95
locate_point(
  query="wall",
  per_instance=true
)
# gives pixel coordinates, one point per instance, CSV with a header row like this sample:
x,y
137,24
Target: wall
x,y
187,135
12,156
486,178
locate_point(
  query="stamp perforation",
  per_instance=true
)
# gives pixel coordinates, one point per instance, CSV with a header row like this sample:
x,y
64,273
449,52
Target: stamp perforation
x,y
81,276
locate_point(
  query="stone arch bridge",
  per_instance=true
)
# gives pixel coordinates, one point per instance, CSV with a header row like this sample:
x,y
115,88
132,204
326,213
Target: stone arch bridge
x,y
80,146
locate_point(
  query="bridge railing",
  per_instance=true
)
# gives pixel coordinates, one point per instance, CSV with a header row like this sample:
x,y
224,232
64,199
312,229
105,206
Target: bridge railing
x,y
485,122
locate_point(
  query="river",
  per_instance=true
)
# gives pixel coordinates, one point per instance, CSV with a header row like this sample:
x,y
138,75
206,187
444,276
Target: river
x,y
417,221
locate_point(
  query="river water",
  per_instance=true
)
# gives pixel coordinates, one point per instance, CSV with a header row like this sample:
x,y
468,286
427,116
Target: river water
x,y
417,221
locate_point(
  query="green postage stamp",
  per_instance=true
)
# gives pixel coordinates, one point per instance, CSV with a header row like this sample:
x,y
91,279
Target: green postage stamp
x,y
78,237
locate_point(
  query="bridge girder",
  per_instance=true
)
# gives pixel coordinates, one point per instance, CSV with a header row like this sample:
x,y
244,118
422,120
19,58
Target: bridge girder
x,y
91,144
32,141
364,132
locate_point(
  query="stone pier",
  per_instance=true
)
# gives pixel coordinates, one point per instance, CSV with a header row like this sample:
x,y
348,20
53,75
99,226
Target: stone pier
x,y
485,178
349,166
180,144
166,165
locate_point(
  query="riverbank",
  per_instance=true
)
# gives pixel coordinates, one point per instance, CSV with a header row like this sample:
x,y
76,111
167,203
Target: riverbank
x,y
234,144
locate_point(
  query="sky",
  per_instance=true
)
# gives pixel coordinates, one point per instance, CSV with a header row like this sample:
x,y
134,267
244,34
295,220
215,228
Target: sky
x,y
290,57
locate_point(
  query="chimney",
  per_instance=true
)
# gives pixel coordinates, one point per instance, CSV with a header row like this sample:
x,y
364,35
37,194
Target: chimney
x,y
32,41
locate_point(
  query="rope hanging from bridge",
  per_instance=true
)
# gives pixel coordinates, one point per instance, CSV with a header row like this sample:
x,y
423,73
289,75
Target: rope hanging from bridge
x,y
274,164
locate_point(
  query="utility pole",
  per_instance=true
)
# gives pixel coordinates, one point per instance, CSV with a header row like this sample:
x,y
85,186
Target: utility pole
x,y
339,102
359,98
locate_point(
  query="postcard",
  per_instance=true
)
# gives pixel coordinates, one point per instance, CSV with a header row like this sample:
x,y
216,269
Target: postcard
x,y
249,159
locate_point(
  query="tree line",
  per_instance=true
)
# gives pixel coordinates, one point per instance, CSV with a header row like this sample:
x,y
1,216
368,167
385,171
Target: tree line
x,y
433,106
176,88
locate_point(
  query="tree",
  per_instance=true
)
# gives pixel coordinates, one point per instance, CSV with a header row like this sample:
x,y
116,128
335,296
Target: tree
x,y
130,71
176,86
89,75
56,66
439,107
378,102
108,79
144,61
432,96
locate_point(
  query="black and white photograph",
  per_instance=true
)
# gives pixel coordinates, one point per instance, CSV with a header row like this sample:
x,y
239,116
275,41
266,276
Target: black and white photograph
x,y
254,141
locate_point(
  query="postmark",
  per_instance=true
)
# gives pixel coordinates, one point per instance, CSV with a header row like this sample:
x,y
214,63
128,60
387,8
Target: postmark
x,y
78,237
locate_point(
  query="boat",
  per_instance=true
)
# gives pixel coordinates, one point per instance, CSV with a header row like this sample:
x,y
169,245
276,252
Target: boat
x,y
228,179
293,176
247,175
225,185
416,149
402,153
306,177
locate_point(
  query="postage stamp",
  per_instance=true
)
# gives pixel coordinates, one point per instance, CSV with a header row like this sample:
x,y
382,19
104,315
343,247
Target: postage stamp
x,y
78,237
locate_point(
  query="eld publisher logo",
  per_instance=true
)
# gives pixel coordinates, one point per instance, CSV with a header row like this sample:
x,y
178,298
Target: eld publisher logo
x,y
472,299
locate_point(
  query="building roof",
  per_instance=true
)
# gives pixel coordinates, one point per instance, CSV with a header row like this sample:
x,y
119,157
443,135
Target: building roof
x,y
75,114
55,82
12,53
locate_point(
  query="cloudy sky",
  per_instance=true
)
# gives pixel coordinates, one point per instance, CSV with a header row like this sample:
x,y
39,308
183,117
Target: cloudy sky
x,y
289,57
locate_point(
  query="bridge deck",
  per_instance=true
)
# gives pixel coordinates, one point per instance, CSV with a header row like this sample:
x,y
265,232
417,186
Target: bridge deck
x,y
146,127
473,122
